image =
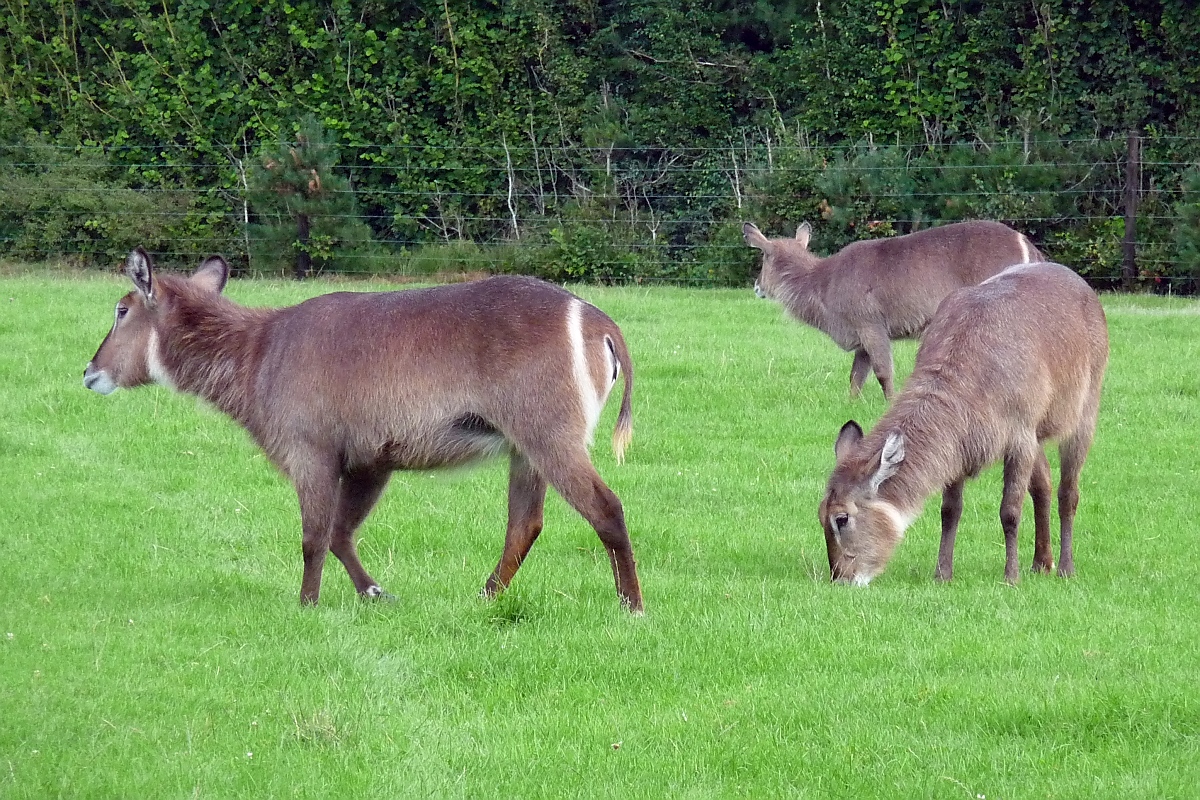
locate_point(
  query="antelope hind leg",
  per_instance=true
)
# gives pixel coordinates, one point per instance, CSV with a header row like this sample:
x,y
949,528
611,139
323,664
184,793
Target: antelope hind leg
x,y
582,487
357,495
526,498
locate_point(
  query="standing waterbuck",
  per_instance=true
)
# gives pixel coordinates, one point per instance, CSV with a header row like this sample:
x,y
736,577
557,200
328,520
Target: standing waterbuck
x,y
873,291
343,389
1002,368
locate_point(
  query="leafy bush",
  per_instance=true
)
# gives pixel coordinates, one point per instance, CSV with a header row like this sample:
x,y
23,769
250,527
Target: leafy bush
x,y
1187,229
75,206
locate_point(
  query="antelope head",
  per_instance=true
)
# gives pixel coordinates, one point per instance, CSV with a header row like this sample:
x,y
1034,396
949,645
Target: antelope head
x,y
130,354
861,529
775,253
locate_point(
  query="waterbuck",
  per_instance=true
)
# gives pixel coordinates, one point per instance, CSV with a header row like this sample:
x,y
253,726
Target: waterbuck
x,y
343,389
1002,368
873,291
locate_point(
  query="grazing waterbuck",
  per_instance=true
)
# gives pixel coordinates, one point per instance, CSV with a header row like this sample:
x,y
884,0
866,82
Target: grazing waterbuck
x,y
343,389
1002,368
877,290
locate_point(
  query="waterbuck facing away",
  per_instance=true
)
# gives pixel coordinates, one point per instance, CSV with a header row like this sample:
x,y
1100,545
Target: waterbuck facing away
x,y
1002,368
873,291
342,389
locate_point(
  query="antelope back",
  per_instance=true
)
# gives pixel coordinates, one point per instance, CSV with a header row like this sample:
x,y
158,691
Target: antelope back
x,y
901,275
425,378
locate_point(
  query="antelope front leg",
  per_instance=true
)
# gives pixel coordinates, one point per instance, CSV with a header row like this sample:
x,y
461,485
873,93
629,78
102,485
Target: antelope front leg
x,y
859,371
952,506
878,348
526,497
1041,490
317,491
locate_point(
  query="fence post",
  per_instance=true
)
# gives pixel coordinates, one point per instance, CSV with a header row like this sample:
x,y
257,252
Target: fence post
x,y
1129,245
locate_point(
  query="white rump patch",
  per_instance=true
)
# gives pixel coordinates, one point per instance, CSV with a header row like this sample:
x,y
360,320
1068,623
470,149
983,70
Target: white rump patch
x,y
154,365
1026,255
589,401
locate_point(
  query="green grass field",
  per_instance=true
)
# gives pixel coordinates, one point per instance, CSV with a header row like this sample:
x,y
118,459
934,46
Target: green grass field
x,y
151,643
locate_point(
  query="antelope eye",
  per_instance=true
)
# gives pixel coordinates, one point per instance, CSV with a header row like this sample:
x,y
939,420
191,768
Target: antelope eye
x,y
840,521
122,311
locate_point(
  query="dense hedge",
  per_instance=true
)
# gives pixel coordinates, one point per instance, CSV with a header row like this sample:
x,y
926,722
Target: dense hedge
x,y
597,139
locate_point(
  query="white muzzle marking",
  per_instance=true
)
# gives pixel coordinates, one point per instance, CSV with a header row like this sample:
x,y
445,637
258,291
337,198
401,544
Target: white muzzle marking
x,y
98,381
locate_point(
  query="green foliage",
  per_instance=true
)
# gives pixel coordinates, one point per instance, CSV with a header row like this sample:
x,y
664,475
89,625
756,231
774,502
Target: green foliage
x,y
444,260
865,188
721,259
1187,229
455,117
76,206
586,249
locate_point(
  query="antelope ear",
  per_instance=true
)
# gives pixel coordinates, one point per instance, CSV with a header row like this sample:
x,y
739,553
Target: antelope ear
x,y
889,459
212,274
803,234
140,269
753,237
850,435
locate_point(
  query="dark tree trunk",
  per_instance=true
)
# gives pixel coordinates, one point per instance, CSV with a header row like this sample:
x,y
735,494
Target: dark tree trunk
x,y
303,259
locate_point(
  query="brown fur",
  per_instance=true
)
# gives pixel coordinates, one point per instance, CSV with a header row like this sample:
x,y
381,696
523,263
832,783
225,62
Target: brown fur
x,y
1003,367
343,389
874,291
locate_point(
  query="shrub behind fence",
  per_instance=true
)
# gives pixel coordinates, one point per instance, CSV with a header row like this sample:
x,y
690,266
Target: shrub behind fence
x,y
605,214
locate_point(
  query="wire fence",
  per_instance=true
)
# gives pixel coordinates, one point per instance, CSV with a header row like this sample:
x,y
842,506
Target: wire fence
x,y
617,213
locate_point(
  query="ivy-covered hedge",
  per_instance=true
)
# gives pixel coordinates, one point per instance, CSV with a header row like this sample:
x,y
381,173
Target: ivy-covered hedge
x,y
603,140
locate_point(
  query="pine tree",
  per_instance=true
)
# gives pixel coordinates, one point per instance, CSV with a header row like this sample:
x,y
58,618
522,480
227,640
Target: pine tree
x,y
294,182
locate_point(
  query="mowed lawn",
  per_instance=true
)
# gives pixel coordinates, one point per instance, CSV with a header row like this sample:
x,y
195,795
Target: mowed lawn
x,y
152,645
